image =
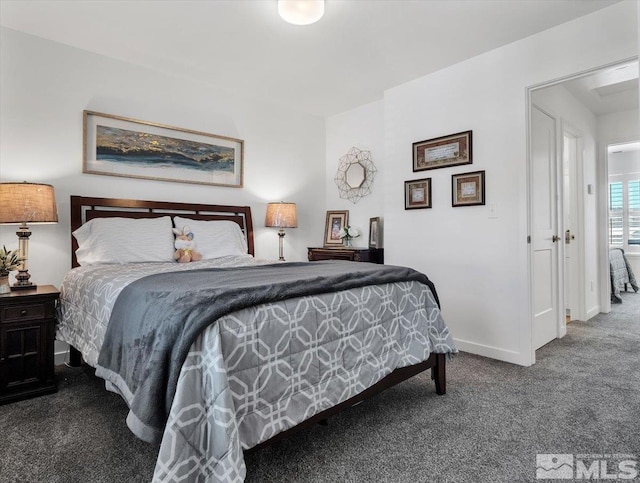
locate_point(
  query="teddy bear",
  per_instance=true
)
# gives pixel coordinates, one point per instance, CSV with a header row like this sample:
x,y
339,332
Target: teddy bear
x,y
185,246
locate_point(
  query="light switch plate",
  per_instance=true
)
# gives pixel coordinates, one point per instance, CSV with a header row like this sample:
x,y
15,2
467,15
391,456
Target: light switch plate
x,y
493,210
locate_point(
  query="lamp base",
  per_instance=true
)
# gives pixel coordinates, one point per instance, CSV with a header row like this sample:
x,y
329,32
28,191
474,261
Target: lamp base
x,y
22,281
23,276
280,248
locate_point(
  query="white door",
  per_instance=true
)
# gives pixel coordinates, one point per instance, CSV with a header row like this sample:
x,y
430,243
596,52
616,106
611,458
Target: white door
x,y
544,228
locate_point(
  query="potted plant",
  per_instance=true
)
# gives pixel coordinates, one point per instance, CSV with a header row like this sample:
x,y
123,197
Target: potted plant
x,y
9,261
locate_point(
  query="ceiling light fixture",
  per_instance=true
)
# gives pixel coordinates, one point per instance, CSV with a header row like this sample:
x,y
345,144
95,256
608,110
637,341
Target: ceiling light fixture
x,y
301,12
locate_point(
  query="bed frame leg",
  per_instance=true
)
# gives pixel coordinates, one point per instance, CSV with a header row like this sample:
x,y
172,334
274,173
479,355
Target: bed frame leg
x,y
439,374
75,357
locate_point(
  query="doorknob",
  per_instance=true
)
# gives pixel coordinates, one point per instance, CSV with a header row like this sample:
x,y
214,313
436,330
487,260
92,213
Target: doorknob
x,y
555,238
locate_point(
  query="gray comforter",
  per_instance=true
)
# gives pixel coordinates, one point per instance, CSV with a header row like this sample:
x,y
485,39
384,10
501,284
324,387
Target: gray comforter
x,y
621,274
155,320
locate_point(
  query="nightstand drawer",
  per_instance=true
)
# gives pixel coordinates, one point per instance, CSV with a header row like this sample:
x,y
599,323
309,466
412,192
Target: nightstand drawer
x,y
35,311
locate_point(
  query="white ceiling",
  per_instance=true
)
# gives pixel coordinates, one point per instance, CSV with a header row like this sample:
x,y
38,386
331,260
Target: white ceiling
x,y
608,90
356,51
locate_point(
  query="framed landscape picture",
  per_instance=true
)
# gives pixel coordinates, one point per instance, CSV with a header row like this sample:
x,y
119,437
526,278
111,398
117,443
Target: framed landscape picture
x,y
336,221
442,152
417,194
119,146
467,189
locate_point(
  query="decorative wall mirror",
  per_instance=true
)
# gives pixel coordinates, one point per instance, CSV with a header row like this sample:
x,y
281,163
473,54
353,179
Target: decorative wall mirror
x,y
355,174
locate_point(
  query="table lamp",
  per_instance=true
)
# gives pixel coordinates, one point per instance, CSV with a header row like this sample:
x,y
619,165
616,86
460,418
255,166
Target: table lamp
x,y
22,203
281,215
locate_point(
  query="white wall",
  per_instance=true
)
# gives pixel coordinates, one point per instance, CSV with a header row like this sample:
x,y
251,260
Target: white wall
x,y
618,128
575,116
45,86
480,264
361,128
624,162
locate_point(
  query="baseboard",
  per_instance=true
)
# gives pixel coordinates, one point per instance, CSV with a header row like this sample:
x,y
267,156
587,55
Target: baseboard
x,y
592,312
492,352
61,357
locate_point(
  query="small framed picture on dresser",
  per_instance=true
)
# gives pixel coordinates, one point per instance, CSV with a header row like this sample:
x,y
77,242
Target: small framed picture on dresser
x,y
336,221
375,232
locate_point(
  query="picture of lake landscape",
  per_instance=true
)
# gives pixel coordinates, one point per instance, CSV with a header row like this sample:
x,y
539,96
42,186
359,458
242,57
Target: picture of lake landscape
x,y
142,149
118,146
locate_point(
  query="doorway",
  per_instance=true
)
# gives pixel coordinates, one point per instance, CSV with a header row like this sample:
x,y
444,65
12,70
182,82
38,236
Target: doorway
x,y
583,109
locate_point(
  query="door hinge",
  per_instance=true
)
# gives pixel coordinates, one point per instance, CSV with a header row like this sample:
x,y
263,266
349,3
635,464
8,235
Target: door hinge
x,y
528,238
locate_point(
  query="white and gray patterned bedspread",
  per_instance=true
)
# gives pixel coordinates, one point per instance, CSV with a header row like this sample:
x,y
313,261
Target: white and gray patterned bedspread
x,y
621,274
263,369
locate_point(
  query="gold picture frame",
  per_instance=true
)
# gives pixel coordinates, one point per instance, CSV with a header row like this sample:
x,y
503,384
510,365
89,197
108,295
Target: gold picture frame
x,y
336,221
121,146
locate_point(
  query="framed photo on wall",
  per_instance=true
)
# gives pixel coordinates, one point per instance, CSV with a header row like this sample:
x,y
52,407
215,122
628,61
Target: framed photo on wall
x,y
120,146
336,221
375,232
467,189
417,194
442,152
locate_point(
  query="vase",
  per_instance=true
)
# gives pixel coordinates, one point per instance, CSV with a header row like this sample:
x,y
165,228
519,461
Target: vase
x,y
4,284
346,242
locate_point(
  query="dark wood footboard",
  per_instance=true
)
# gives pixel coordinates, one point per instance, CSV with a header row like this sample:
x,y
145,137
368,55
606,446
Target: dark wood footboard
x,y
435,362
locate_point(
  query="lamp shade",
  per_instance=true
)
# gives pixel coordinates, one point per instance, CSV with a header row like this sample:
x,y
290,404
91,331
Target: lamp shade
x,y
22,203
281,215
301,12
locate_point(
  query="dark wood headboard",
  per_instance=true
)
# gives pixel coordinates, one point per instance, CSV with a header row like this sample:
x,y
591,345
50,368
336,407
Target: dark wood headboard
x,y
84,209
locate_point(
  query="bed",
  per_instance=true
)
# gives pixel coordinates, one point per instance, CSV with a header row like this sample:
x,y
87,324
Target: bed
x,y
208,382
621,274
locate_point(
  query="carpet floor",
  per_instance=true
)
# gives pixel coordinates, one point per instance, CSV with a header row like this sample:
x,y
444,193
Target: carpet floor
x,y
581,397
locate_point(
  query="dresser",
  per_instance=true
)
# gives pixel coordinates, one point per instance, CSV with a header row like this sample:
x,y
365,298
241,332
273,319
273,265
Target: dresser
x,y
27,331
373,255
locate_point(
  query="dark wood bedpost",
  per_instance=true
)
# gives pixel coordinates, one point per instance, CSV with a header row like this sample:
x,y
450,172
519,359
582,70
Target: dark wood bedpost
x,y
75,357
439,374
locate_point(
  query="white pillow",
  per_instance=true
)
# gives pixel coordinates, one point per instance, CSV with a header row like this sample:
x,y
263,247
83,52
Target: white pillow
x,y
125,240
215,238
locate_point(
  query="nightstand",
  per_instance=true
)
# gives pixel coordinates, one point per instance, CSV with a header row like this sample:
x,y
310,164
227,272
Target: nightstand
x,y
27,331
373,255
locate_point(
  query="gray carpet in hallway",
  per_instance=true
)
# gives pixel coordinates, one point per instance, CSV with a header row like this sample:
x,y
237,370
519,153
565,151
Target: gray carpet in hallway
x,y
581,397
